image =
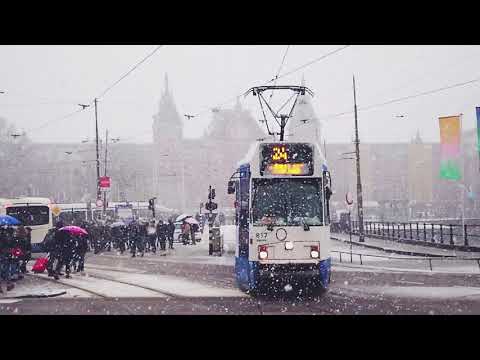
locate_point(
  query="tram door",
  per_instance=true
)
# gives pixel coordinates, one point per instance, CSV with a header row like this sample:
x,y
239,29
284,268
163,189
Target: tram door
x,y
242,216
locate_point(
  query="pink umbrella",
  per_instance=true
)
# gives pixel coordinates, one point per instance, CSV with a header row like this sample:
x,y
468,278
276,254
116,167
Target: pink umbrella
x,y
191,221
74,230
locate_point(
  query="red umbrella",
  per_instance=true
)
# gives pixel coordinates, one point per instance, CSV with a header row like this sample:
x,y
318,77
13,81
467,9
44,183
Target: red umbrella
x,y
74,230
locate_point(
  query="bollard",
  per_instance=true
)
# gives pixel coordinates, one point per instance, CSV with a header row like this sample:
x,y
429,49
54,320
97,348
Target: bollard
x,y
411,238
433,233
441,233
465,236
451,235
424,232
340,256
430,261
361,263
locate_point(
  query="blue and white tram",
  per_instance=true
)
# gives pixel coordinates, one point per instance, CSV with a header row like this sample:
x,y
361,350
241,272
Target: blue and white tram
x,y
282,216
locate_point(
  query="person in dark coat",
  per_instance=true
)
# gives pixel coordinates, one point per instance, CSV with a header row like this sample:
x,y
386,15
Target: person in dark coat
x,y
162,234
66,250
6,244
170,233
51,245
24,239
80,252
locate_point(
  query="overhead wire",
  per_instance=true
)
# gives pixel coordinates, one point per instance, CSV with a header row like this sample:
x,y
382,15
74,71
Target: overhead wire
x,y
403,98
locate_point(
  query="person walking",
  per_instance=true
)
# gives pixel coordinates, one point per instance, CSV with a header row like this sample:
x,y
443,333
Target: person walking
x,y
152,236
81,249
162,235
185,232
52,247
170,233
5,249
24,237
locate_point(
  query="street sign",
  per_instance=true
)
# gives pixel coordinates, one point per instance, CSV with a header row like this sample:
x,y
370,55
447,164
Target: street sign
x,y
56,210
99,203
104,182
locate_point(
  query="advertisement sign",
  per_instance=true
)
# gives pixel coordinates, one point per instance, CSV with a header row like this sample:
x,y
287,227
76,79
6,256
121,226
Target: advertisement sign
x,y
450,160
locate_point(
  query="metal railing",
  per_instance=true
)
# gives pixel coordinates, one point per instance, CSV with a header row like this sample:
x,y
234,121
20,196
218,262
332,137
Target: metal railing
x,y
456,235
429,259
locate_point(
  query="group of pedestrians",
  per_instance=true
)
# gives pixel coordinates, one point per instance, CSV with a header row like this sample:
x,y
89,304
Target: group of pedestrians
x,y
65,250
15,252
140,237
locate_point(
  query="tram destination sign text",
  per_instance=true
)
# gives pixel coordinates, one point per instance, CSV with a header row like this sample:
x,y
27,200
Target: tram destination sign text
x,y
286,159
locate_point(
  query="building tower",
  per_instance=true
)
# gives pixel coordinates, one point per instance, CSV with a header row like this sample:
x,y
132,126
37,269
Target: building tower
x,y
167,151
304,124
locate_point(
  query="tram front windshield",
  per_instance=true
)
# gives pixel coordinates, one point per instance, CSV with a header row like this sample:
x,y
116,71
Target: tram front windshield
x,y
287,202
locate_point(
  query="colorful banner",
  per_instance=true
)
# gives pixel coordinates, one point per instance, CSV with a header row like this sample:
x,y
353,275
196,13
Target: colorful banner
x,y
450,148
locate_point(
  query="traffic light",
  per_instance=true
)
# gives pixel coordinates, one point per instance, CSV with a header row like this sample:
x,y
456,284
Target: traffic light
x,y
211,194
151,204
211,206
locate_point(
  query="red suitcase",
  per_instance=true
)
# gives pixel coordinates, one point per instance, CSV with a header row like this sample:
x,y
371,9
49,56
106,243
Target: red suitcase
x,y
40,265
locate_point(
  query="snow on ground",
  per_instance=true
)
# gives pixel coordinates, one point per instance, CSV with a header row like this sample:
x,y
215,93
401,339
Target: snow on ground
x,y
30,287
169,284
426,292
106,287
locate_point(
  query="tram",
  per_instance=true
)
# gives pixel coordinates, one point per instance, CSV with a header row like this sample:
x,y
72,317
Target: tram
x,y
282,192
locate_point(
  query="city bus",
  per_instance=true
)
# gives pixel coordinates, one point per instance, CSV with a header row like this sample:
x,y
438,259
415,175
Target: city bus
x,y
282,192
34,212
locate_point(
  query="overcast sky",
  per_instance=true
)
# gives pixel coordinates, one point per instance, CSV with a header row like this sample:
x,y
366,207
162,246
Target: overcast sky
x,y
44,83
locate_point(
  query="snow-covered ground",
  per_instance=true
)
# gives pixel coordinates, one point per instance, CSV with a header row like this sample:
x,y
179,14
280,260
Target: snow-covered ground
x,y
424,292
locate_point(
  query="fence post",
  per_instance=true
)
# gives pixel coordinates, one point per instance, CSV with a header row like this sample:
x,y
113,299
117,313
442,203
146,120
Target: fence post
x,y
430,261
383,229
451,235
465,232
340,256
418,236
424,232
410,231
404,233
441,233
433,233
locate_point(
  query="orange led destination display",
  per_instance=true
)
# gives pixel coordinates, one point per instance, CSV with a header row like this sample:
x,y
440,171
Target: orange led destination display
x,y
286,159
287,169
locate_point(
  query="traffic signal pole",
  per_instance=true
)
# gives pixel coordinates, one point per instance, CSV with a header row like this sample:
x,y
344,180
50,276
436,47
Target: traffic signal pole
x,y
105,174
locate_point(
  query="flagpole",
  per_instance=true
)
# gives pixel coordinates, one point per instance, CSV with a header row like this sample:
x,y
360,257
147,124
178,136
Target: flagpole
x,y
463,178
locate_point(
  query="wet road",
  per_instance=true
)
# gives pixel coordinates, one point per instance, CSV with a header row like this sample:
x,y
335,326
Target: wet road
x,y
189,283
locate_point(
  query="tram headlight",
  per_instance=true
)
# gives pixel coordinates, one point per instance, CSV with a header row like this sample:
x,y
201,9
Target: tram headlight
x,y
262,252
288,245
314,252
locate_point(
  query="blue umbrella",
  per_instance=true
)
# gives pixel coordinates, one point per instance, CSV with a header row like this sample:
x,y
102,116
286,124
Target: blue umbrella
x,y
8,220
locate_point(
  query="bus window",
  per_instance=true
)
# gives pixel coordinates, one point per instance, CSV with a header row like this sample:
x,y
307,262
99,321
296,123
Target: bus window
x,y
30,215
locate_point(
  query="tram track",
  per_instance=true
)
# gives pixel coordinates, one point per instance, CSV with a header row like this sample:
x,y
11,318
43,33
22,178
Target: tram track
x,y
107,278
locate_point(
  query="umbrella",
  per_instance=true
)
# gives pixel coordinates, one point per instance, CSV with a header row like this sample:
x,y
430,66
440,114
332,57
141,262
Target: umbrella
x,y
74,230
8,220
182,217
191,220
117,224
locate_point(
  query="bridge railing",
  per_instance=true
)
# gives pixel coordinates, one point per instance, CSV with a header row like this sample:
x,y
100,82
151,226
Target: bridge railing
x,y
348,257
456,235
